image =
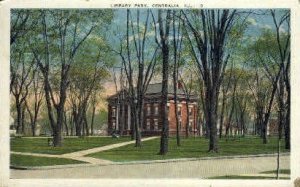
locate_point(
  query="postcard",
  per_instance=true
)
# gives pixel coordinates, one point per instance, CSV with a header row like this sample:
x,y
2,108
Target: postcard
x,y
132,93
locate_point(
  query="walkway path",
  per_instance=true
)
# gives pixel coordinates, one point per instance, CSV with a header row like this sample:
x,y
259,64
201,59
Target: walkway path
x,y
80,155
181,169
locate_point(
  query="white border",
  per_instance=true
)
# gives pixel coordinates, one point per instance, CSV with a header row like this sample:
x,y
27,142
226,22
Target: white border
x,y
5,7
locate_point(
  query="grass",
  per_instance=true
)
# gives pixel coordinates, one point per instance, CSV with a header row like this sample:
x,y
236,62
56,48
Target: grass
x,y
40,145
245,177
24,160
190,148
281,171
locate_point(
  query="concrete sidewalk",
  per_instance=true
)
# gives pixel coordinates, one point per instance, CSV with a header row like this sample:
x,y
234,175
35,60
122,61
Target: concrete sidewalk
x,y
180,169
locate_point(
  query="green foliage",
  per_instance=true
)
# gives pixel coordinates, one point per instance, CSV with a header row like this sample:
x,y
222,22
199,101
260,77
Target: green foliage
x,y
102,117
264,50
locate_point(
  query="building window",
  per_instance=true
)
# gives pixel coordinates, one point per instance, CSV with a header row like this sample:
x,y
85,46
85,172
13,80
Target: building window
x,y
148,124
179,111
148,110
113,125
190,111
113,113
156,109
155,124
190,125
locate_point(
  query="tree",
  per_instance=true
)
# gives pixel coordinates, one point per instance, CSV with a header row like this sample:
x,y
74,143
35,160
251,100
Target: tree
x,y
177,43
59,36
22,73
133,56
266,56
22,21
87,74
283,46
36,94
208,40
225,89
162,40
187,87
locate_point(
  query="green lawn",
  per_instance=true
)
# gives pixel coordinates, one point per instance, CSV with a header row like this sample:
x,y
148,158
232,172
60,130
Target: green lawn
x,y
24,160
190,148
40,145
245,177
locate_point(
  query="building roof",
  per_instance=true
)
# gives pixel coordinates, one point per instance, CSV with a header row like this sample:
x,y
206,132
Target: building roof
x,y
156,88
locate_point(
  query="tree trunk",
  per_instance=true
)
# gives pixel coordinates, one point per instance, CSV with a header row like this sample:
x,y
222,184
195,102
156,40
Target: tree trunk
x,y
229,126
132,122
122,116
288,103
71,122
137,128
176,110
187,127
66,124
57,138
222,115
164,34
281,112
19,118
211,105
23,119
87,129
92,121
175,73
32,119
287,123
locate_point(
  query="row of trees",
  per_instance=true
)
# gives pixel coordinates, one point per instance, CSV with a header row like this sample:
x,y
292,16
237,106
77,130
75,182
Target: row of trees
x,y
61,58
58,58
239,76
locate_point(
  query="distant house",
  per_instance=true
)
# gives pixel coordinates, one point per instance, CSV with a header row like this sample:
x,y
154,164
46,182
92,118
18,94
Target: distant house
x,y
152,124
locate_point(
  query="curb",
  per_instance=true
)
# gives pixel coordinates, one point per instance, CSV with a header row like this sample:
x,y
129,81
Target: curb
x,y
144,162
195,159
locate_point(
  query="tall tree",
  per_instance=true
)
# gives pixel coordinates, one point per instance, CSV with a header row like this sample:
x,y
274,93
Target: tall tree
x,y
177,47
270,52
133,56
209,39
281,21
36,96
187,87
162,39
225,89
55,46
87,74
22,73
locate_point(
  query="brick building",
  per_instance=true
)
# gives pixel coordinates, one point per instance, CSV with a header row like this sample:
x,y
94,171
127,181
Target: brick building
x,y
120,118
